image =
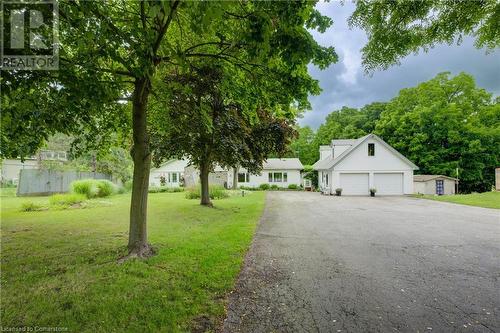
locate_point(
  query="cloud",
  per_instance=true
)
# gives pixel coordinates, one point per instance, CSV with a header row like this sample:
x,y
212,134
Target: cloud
x,y
346,83
352,65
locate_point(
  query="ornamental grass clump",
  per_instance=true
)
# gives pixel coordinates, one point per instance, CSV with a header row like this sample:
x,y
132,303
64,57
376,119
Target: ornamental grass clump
x,y
215,192
66,200
93,188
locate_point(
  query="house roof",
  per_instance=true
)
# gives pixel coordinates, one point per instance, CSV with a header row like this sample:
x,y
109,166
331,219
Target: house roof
x,y
426,178
328,163
283,163
344,142
182,163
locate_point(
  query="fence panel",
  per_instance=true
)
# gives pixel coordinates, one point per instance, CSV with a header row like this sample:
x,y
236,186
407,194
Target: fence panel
x,y
46,182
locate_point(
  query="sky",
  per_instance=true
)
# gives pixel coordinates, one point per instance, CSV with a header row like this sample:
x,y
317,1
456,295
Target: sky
x,y
346,83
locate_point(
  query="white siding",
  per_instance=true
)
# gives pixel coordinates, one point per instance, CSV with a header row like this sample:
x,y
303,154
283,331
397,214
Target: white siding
x,y
11,168
293,177
429,187
325,152
384,161
176,166
339,149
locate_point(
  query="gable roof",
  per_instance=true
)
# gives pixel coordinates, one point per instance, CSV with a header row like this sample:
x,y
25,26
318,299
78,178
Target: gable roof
x,y
282,163
344,142
426,178
170,161
328,163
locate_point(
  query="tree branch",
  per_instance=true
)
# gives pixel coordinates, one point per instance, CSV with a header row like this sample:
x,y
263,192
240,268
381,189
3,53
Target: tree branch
x,y
104,70
164,27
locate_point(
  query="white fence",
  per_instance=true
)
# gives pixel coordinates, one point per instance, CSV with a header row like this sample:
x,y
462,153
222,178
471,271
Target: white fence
x,y
45,182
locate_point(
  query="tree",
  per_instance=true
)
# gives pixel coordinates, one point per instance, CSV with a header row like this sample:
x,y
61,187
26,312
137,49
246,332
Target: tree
x,y
209,122
349,123
113,51
303,147
398,28
446,124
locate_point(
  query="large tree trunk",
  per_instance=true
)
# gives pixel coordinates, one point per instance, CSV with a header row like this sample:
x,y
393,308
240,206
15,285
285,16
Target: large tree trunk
x,y
205,192
138,237
235,178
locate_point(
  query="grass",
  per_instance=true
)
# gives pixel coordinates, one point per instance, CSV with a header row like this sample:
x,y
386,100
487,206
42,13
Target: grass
x,y
486,199
7,191
59,266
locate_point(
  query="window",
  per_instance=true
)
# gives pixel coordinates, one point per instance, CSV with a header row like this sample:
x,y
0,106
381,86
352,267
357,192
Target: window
x,y
371,149
277,177
174,177
243,177
326,178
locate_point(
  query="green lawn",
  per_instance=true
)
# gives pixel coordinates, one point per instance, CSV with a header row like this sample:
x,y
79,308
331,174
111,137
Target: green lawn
x,y
486,199
59,266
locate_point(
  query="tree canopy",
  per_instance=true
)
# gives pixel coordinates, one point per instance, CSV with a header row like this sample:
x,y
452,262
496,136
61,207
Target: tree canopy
x,y
115,51
446,124
397,28
208,121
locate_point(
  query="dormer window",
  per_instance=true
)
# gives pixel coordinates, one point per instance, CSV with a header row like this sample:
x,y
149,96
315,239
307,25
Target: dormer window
x,y
333,152
371,149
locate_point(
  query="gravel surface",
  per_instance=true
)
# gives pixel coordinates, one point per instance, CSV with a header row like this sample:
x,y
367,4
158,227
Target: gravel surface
x,y
361,264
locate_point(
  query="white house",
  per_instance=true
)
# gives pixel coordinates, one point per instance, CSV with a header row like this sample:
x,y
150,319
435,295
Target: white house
x,y
172,172
358,165
275,171
10,168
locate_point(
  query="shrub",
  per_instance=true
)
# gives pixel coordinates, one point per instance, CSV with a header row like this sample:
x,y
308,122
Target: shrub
x,y
30,206
215,192
154,189
105,188
127,185
93,188
249,188
87,187
65,200
193,193
218,192
264,187
274,187
293,187
163,189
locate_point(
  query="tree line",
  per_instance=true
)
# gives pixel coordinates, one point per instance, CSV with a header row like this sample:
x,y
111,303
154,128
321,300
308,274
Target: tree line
x,y
445,125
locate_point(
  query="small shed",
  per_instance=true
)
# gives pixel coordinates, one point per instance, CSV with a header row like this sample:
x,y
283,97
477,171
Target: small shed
x,y
434,184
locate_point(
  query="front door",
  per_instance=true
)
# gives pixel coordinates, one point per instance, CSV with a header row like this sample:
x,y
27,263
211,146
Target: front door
x,y
439,187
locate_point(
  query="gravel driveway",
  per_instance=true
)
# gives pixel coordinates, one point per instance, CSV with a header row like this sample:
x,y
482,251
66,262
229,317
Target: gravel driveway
x,y
361,264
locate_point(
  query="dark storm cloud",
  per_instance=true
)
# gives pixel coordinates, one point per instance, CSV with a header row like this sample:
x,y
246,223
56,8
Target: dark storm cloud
x,y
346,83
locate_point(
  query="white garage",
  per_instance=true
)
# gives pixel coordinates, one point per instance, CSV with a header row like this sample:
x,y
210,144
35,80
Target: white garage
x,y
358,165
354,183
388,183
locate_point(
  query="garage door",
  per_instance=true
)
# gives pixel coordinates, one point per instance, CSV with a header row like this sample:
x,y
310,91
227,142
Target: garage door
x,y
354,183
388,183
